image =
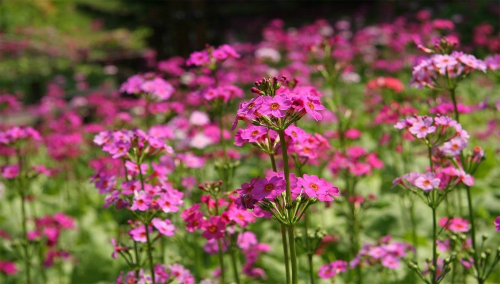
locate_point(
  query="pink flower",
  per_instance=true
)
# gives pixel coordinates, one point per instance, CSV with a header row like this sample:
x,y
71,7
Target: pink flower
x,y
277,106
319,188
391,262
254,133
138,234
214,228
427,181
181,274
312,105
10,171
198,58
129,187
422,127
133,168
352,134
8,267
240,217
246,240
359,169
330,270
199,118
161,274
497,224
458,224
116,248
141,201
268,187
165,227
454,146
170,201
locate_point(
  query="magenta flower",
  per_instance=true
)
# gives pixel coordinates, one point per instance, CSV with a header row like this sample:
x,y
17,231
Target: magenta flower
x,y
277,106
214,228
10,171
246,240
165,227
181,274
497,224
391,262
170,201
8,267
129,187
240,217
312,105
141,201
319,188
458,225
253,134
138,234
133,168
268,187
198,58
297,134
116,248
427,181
161,274
330,270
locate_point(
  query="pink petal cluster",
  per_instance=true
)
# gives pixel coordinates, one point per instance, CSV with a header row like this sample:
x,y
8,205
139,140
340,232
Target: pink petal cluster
x,y
457,64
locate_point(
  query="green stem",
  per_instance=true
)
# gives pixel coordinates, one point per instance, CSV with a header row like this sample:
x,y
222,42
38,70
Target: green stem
x,y
473,232
137,260
286,168
27,261
455,107
283,232
291,242
309,254
413,225
221,263
311,270
150,255
291,227
285,252
235,266
434,246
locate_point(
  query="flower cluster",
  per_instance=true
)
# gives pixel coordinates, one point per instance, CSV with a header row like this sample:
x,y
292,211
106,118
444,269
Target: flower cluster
x,y
211,56
390,83
148,84
435,131
49,228
276,110
357,161
307,147
455,66
442,179
331,269
388,254
223,93
175,272
251,248
16,134
213,225
266,192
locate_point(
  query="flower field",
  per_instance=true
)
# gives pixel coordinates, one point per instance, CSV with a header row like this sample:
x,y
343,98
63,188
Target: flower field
x,y
331,152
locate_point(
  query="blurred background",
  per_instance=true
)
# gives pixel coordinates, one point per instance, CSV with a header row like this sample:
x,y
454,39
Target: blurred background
x,y
106,41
